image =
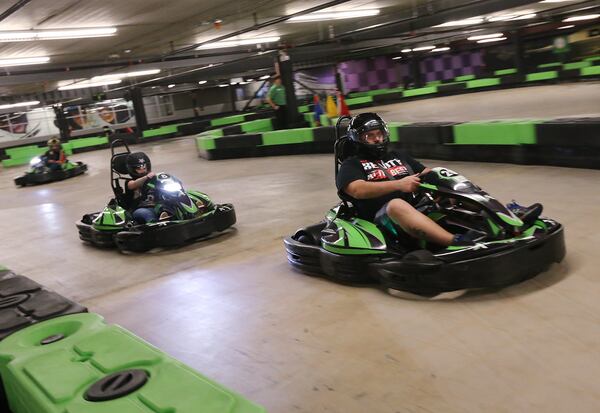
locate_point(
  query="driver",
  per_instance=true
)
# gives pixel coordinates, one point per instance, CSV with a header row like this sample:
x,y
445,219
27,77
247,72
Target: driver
x,y
141,190
55,156
380,184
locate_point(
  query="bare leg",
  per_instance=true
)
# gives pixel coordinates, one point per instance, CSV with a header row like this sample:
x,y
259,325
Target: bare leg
x,y
416,224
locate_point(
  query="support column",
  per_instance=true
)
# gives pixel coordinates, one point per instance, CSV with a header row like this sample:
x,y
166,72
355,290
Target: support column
x,y
519,60
415,71
339,83
231,89
61,123
141,122
287,80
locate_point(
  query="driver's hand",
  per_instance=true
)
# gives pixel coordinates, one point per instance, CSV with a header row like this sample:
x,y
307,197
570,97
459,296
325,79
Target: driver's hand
x,y
409,183
151,175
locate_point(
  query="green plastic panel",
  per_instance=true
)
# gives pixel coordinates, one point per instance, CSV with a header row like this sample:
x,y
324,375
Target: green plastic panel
x,y
532,77
434,83
258,125
357,95
485,82
576,65
359,100
464,77
590,71
87,142
288,136
547,65
495,133
324,119
503,72
163,130
591,59
419,91
228,120
55,377
303,108
395,131
24,151
206,142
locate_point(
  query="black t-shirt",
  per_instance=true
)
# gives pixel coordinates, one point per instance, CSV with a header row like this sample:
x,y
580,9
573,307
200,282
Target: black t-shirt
x,y
142,197
394,165
53,155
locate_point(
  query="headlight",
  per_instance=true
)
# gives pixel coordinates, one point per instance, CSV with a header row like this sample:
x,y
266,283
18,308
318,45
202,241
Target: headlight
x,y
35,161
172,186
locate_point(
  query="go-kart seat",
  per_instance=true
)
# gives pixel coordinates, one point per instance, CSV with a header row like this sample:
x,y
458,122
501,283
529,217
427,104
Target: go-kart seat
x,y
119,166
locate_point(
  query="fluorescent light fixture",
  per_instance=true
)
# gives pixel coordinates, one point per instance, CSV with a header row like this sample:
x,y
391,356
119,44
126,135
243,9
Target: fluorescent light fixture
x,y
22,61
525,14
464,22
397,58
419,49
485,36
89,83
201,82
127,74
223,85
334,15
554,1
21,104
496,39
249,80
568,26
171,85
578,18
264,77
406,50
242,42
30,35
440,49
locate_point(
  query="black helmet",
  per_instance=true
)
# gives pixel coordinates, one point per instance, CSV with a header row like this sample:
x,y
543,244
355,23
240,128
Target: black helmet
x,y
367,122
135,160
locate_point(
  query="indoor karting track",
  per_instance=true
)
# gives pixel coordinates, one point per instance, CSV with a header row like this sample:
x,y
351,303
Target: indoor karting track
x,y
232,307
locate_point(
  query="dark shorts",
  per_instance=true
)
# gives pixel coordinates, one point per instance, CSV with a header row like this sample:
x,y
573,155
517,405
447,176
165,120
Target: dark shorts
x,y
383,221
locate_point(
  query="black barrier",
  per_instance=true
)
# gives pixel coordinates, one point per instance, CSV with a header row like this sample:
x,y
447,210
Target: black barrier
x,y
232,130
193,128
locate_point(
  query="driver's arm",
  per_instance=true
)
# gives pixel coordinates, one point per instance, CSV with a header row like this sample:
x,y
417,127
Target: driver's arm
x,y
138,183
361,189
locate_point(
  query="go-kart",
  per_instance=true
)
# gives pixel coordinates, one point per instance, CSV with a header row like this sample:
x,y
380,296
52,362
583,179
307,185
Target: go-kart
x,y
351,250
39,173
192,214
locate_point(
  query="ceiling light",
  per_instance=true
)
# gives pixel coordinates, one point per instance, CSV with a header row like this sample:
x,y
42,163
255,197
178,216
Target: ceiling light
x,y
419,49
264,77
249,80
406,50
568,26
440,49
223,85
128,74
21,104
20,61
201,82
465,22
496,39
242,42
554,1
171,85
485,36
89,83
397,58
333,15
29,35
578,18
525,14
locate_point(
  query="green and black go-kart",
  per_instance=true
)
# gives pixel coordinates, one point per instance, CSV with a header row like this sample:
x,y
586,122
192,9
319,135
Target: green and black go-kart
x,y
351,250
193,214
38,173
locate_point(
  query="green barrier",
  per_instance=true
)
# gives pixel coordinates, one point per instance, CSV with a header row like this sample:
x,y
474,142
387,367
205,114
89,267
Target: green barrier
x,y
258,125
22,155
505,72
87,142
303,108
357,95
310,118
486,82
283,137
434,83
228,120
324,119
163,130
532,77
576,65
384,91
79,364
394,128
464,77
359,100
590,71
495,133
591,59
206,139
547,65
419,91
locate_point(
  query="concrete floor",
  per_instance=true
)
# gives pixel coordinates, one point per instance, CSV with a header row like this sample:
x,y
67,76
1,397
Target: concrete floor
x,y
233,309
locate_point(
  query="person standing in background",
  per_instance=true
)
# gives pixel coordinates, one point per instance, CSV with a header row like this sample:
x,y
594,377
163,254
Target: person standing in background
x,y
276,98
